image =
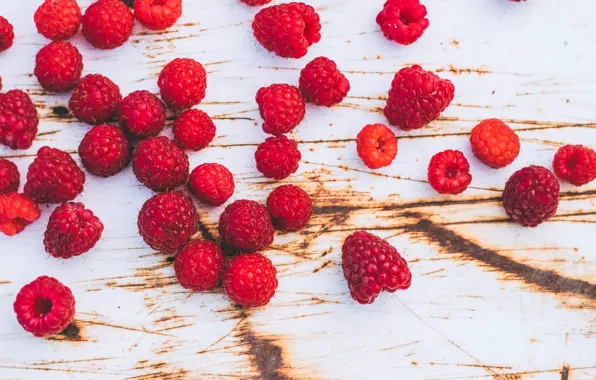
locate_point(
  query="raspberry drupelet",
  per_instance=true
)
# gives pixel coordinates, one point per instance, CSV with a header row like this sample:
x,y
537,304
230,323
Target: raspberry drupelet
x,y
105,150
449,172
58,20
250,280
282,108
212,184
95,99
17,211
182,83
322,84
575,164
6,34
377,146
246,226
158,14
18,120
494,143
403,21
193,130
198,265
159,164
277,157
107,24
142,114
58,66
9,177
290,208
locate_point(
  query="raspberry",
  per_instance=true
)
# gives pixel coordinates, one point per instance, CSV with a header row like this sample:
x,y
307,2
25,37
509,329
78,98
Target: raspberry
x,y
371,265
107,24
142,114
250,280
198,266
18,120
290,208
72,230
575,164
287,29
245,226
9,177
212,184
417,97
58,20
95,99
16,212
403,21
54,177
182,83
321,83
255,2
158,14
193,130
282,108
104,150
494,143
277,157
167,221
377,146
6,34
159,164
531,196
58,66
449,172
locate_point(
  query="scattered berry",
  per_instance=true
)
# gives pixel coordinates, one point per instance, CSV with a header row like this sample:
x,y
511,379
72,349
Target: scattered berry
x,y
9,177
95,99
6,34
158,14
58,66
575,164
246,226
107,24
212,184
16,212
182,83
58,20
159,164
198,266
377,146
282,108
449,172
255,2
277,157
250,280
321,83
18,120
142,114
494,143
290,208
403,21
104,150
193,130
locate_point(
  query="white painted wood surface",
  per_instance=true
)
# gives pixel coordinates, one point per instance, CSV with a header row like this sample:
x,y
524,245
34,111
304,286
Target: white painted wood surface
x,y
489,299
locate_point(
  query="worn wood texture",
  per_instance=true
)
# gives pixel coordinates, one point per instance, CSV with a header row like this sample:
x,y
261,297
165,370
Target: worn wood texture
x,y
489,299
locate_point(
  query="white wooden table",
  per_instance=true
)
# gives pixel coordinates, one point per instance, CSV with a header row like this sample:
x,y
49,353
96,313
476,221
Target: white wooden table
x,y
489,299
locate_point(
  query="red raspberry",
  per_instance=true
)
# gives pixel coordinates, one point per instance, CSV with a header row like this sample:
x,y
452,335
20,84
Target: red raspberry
x,y
16,212
104,150
575,164
287,29
167,221
290,208
142,114
58,66
6,34
54,177
417,97
531,196
321,83
255,2
44,306
58,20
250,280
198,266
158,14
282,108
371,265
212,184
72,230
9,177
494,143
277,157
18,120
95,99
193,130
246,226
403,21
107,24
182,83
159,164
449,172
377,146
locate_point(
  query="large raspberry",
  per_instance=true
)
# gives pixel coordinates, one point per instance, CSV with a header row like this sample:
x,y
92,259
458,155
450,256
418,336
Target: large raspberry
x,y
158,14
95,99
531,196
322,83
58,66
9,177
250,280
58,20
376,145
245,225
194,130
277,157
18,120
182,83
198,266
159,164
16,212
104,150
282,108
212,184
449,172
54,177
6,34
371,265
494,143
167,221
142,114
107,24
290,207
403,21
417,97
575,164
287,29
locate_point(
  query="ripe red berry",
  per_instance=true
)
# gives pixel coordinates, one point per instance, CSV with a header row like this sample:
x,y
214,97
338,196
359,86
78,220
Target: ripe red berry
x,y
290,208
72,230
198,265
321,83
255,2
282,108
18,120
6,34
107,24
167,221
182,83
158,14
58,66
371,265
9,177
104,150
449,172
277,157
287,29
403,21
58,20
250,280
531,196
16,212
212,184
44,306
95,99
417,97
245,225
159,164
575,164
193,130
376,145
494,143
54,177
142,114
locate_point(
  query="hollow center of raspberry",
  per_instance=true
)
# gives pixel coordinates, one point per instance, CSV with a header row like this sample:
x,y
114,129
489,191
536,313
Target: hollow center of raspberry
x,y
407,17
571,162
451,171
381,144
41,307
